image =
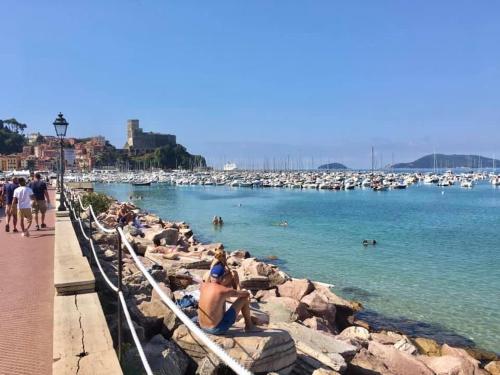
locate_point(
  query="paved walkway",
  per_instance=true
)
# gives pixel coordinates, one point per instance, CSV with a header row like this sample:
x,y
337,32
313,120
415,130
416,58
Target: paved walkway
x,y
27,299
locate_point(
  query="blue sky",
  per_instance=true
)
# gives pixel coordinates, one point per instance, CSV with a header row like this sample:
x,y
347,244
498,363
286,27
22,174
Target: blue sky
x,y
248,80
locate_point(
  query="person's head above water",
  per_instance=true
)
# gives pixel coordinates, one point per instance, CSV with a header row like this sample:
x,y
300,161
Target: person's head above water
x,y
217,273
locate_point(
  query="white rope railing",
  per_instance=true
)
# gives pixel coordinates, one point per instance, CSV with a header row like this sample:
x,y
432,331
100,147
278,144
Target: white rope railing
x,y
235,366
137,342
99,225
81,228
216,349
108,281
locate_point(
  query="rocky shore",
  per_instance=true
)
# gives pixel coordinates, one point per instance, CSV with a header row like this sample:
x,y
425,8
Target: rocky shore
x,y
306,328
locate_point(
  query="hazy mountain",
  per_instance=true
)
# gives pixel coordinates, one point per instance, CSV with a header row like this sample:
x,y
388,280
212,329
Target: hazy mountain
x,y
449,161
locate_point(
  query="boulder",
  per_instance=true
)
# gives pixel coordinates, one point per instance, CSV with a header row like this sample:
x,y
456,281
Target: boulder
x,y
263,295
493,367
162,318
168,236
284,309
242,254
387,360
427,346
323,371
386,337
448,365
345,309
296,288
186,232
253,283
266,351
462,353
105,238
319,324
277,277
326,349
404,345
358,334
318,305
164,357
481,354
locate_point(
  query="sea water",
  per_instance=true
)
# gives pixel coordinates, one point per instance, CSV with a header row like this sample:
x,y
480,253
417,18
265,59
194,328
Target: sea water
x,y
435,270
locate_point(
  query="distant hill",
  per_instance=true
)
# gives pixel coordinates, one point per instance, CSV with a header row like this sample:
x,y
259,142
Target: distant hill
x,y
332,166
449,161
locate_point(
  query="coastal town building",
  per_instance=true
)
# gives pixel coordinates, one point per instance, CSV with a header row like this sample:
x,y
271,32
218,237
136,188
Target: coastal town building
x,y
139,141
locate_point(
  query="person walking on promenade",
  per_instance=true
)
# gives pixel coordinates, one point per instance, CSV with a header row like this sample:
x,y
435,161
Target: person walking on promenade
x,y
23,196
41,200
11,208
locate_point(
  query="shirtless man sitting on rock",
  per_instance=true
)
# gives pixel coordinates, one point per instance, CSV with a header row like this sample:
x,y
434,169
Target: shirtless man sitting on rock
x,y
212,314
230,278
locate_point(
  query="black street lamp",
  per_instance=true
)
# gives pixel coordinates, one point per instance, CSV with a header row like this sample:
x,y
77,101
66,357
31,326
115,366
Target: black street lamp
x,y
61,125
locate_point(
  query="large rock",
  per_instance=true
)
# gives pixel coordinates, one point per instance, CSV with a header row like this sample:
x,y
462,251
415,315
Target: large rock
x,y
386,360
168,236
462,353
263,295
345,309
158,314
427,346
404,345
387,337
266,351
355,334
284,309
493,367
448,365
296,289
318,305
322,371
319,324
326,349
164,357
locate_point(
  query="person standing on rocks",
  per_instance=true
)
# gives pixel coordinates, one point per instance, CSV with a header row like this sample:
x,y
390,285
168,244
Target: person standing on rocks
x,y
23,196
11,208
212,314
41,201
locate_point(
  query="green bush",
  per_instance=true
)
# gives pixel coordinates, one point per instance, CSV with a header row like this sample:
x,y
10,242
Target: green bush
x,y
100,202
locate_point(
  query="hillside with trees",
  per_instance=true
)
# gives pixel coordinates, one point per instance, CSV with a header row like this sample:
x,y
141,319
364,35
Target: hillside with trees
x,y
449,161
12,137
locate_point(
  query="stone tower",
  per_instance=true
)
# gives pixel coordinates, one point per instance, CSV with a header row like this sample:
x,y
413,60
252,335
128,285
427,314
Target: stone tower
x,y
132,129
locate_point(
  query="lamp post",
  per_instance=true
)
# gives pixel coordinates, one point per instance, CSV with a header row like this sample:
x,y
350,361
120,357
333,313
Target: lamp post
x,y
61,125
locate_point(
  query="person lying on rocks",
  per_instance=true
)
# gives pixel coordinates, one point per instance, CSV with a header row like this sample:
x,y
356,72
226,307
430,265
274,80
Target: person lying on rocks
x,y
231,278
212,315
159,248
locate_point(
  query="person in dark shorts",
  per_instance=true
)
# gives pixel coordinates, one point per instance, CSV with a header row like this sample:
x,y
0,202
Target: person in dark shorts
x,y
10,207
212,314
41,201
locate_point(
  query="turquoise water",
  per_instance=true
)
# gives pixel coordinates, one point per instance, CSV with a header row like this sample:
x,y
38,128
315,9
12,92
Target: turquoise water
x,y
434,271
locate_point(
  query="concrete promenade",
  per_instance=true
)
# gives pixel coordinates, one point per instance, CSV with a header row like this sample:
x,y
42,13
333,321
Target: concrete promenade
x,y
27,298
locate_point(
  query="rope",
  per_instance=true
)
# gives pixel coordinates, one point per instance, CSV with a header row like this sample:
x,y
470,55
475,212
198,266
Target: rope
x,y
99,225
83,231
110,284
134,335
235,366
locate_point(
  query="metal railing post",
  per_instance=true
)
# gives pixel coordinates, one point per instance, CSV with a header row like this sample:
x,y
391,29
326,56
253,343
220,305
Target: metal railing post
x,y
119,312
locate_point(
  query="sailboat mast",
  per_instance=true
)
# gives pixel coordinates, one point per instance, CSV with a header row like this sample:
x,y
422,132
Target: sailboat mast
x,y
372,161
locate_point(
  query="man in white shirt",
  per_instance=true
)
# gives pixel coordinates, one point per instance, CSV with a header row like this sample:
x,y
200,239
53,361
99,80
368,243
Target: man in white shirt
x,y
23,196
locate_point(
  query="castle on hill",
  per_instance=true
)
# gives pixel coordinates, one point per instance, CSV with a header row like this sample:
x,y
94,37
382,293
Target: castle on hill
x,y
139,141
